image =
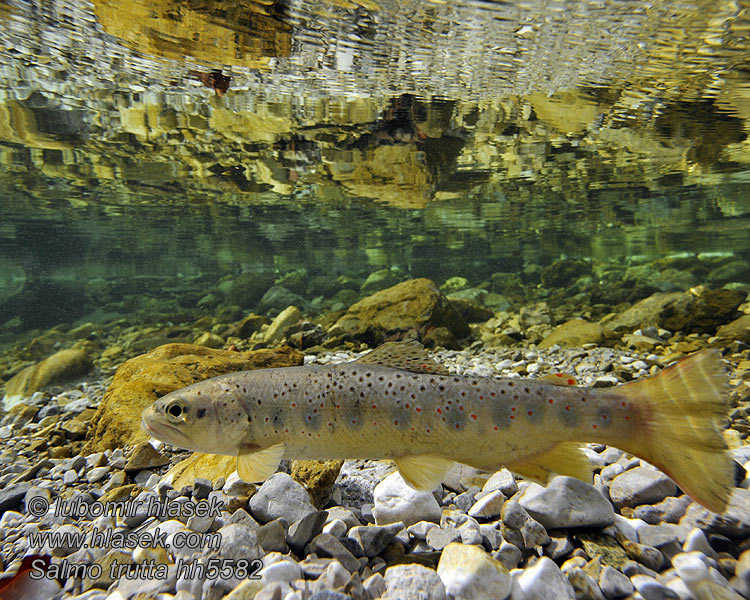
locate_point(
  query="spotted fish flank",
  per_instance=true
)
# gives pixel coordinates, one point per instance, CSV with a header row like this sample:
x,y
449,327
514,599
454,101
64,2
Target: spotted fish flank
x,y
397,403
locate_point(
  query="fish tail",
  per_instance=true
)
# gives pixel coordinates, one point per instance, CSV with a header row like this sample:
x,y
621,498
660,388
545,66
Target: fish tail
x,y
681,414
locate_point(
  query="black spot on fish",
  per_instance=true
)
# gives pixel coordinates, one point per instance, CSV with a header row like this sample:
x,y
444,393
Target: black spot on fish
x,y
200,413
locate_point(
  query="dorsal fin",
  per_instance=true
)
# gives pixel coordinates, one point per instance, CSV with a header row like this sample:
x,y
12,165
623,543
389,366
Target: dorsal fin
x,y
409,356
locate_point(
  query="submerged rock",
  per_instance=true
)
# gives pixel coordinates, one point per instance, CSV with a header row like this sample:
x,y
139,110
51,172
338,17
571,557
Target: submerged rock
x,y
379,280
317,477
739,330
640,486
469,573
699,311
277,298
287,317
413,581
563,272
247,288
143,379
396,501
576,332
416,304
61,366
199,465
542,581
567,502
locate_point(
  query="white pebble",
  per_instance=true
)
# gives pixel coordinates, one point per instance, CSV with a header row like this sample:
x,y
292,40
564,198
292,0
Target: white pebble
x,y
70,477
336,528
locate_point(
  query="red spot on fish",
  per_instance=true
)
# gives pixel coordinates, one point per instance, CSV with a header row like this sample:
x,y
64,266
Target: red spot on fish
x,y
429,430
354,421
456,425
440,412
604,417
512,417
531,412
418,409
461,407
627,418
374,405
551,401
571,381
594,426
474,417
266,419
513,408
492,394
481,397
567,407
623,404
406,405
395,422
559,374
294,405
337,406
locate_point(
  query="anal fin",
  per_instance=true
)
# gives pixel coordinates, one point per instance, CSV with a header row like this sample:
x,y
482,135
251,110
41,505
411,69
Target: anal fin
x,y
259,465
564,459
423,471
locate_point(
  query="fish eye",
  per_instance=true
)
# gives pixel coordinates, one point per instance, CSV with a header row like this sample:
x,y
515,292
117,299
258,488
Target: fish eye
x,y
175,410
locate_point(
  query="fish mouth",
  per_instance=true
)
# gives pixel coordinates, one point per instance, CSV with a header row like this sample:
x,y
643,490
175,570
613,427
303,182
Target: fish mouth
x,y
166,433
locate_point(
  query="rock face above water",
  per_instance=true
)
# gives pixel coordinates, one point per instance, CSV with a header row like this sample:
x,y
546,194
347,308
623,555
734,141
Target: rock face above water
x,y
143,379
63,365
416,304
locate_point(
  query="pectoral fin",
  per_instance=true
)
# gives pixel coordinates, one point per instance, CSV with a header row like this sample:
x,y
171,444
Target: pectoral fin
x,y
259,465
423,471
563,459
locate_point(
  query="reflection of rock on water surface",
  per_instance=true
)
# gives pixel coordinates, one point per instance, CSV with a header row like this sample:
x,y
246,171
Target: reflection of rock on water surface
x,y
245,33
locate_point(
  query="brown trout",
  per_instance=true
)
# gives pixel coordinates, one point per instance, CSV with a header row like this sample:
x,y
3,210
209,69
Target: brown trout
x,y
398,403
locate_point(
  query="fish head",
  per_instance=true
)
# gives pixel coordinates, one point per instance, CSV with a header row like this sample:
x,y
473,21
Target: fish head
x,y
193,418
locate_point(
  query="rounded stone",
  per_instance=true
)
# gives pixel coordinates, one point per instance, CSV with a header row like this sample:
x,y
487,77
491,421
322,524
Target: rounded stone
x,y
567,502
469,573
396,501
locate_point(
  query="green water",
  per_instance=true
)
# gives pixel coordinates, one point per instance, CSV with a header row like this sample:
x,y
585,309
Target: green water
x,y
481,140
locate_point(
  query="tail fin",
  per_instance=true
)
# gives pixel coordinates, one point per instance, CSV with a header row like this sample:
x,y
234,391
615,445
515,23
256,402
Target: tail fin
x,y
680,431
